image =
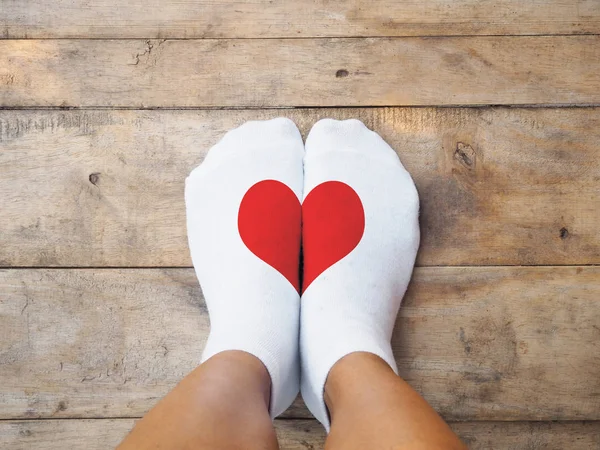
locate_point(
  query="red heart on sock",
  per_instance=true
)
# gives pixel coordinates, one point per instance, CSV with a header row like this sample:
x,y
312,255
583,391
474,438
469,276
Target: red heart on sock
x,y
269,224
333,222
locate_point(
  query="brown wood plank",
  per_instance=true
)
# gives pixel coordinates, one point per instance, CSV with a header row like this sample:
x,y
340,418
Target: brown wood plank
x,y
529,435
263,18
498,186
98,434
547,70
495,343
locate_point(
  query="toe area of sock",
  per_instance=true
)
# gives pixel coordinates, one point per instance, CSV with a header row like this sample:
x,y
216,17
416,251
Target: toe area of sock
x,y
261,132
275,135
347,135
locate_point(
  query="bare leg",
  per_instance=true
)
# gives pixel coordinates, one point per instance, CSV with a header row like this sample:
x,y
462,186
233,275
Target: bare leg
x,y
371,407
223,404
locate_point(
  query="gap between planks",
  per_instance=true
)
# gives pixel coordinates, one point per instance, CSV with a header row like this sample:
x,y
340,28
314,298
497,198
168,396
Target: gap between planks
x,y
292,108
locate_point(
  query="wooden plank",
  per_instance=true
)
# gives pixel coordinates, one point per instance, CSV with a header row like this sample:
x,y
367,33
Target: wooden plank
x,y
301,434
498,186
546,70
495,343
263,18
529,435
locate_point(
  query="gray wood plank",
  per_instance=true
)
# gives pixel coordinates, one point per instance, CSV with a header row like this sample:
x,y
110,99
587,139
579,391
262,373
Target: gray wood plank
x,y
522,70
105,434
495,343
498,186
263,18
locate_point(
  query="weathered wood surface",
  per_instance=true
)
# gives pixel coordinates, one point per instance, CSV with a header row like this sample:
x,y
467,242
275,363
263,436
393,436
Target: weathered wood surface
x,y
546,70
105,434
498,186
263,18
495,343
105,188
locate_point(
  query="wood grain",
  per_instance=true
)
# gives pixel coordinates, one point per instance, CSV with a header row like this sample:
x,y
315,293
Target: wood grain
x,y
498,186
301,434
495,343
547,70
263,18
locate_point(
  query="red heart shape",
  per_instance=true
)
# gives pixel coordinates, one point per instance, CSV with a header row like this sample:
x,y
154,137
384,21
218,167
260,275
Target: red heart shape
x,y
333,223
270,218
269,222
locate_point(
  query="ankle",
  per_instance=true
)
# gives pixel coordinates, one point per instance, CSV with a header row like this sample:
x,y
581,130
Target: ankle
x,y
239,373
350,377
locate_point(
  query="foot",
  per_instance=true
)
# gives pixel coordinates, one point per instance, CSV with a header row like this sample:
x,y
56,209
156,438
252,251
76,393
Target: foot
x,y
244,230
360,239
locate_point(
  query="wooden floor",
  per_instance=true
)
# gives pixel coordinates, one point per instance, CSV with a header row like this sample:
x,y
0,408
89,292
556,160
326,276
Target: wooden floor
x,y
492,106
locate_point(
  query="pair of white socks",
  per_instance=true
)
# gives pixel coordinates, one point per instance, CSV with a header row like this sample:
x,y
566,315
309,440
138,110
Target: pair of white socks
x,y
345,198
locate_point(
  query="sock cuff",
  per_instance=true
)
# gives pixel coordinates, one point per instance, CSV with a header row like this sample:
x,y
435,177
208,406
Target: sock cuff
x,y
318,359
284,373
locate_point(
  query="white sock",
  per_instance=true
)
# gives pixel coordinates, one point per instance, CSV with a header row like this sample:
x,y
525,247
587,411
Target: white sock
x,y
244,230
356,267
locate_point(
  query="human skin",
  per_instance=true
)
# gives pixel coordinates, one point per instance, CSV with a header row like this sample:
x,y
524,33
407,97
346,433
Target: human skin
x,y
224,404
